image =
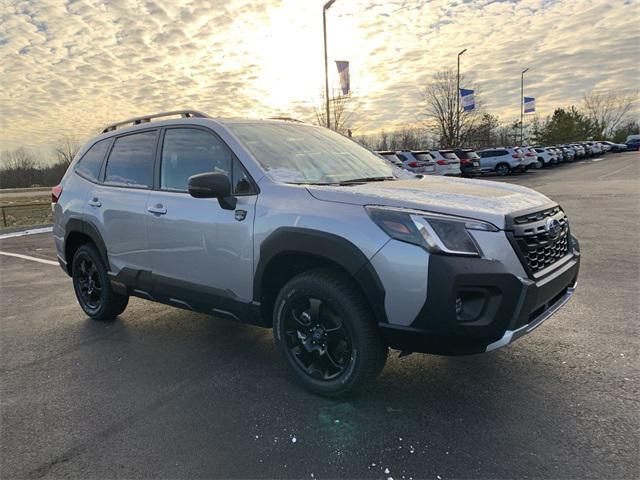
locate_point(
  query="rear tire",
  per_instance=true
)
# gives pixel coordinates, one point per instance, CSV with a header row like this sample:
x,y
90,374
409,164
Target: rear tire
x,y
503,169
324,330
92,286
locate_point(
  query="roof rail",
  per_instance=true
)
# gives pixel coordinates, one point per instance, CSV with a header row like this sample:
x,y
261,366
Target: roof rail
x,y
147,118
286,119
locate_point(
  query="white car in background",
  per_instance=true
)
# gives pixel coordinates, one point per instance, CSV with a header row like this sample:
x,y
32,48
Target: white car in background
x,y
424,164
503,161
545,156
529,157
390,157
580,150
447,162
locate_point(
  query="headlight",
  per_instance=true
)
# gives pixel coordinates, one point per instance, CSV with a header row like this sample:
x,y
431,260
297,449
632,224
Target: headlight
x,y
435,232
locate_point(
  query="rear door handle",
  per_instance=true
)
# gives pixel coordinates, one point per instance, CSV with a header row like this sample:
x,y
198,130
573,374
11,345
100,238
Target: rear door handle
x,y
158,209
94,202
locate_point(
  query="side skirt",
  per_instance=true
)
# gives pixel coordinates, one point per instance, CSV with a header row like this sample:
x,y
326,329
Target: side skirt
x,y
185,295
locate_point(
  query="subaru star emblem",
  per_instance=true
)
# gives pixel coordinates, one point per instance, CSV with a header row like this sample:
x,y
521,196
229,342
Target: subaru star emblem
x,y
553,228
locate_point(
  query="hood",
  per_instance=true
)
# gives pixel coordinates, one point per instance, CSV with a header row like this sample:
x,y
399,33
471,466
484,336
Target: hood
x,y
478,199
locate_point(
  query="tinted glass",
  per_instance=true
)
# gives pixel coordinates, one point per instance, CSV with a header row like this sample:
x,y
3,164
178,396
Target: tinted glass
x,y
189,151
296,153
450,156
91,162
402,157
423,157
241,182
130,163
472,155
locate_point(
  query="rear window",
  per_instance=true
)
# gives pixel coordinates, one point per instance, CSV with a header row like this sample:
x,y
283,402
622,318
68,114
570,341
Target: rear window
x,y
423,157
131,161
469,155
90,164
449,155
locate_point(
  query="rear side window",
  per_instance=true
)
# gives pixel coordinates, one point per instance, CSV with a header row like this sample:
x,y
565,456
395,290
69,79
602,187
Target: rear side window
x,y
91,162
131,161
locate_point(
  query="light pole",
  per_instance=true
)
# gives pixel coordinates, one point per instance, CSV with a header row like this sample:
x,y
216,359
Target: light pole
x,y
522,105
326,61
456,139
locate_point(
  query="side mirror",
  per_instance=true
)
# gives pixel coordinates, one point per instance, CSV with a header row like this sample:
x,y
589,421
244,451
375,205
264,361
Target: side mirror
x,y
213,185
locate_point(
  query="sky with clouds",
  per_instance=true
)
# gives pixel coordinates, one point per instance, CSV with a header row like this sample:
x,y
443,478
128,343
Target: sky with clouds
x,y
68,67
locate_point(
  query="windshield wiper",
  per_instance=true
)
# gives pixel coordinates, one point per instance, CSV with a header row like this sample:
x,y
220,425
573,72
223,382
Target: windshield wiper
x,y
366,180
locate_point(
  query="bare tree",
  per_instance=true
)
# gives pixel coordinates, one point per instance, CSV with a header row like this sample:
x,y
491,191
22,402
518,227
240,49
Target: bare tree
x,y
608,110
440,97
341,108
66,150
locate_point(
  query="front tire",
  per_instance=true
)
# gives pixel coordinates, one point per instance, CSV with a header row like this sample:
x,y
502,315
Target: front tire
x,y
92,286
325,332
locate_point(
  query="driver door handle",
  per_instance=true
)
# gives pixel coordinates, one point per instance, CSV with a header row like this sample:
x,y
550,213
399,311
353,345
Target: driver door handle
x,y
157,209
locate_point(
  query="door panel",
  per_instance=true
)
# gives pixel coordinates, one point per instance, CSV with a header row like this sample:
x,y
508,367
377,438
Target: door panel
x,y
197,242
119,215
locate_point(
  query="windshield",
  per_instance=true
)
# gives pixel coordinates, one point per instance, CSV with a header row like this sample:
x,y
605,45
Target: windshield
x,y
423,157
294,153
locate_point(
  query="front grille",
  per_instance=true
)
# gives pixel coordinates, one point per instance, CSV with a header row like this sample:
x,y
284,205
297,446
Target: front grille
x,y
538,249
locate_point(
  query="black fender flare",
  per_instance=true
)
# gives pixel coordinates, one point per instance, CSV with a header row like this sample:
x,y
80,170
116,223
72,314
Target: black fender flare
x,y
87,228
327,246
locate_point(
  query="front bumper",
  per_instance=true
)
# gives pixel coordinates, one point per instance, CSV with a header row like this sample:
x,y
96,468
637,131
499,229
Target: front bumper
x,y
477,305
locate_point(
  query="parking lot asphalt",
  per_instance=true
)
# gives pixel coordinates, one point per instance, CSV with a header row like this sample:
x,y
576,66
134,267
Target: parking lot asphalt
x,y
165,393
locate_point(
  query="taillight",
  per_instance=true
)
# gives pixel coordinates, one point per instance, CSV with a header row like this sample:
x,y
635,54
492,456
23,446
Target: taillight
x,y
464,161
515,155
442,162
55,194
414,164
529,154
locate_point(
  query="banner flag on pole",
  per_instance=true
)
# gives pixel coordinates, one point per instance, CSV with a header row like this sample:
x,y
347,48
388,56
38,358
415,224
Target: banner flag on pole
x,y
468,102
529,104
343,71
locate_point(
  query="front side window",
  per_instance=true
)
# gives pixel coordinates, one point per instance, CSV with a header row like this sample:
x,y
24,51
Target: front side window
x,y
131,161
294,153
189,151
90,164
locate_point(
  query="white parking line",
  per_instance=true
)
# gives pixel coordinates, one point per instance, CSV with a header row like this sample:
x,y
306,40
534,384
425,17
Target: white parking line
x,y
27,257
33,231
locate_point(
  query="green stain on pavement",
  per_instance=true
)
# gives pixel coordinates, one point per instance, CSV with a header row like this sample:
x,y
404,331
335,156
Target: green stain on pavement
x,y
338,423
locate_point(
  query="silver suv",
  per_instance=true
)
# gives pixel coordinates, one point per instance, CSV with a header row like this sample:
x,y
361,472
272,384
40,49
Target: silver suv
x,y
297,228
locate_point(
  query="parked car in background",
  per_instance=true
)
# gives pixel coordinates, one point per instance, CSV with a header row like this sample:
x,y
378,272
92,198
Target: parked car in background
x,y
447,162
391,157
567,153
529,158
424,165
469,162
604,145
596,149
545,157
500,161
615,147
633,144
580,150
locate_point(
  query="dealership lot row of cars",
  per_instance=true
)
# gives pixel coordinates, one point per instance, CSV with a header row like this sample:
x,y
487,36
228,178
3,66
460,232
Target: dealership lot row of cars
x,y
500,160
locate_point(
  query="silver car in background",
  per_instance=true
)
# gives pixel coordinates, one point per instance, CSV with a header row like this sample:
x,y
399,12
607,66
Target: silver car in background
x,y
447,163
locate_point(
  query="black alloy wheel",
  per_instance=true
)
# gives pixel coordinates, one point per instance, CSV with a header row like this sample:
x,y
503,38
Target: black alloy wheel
x,y
317,338
89,286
